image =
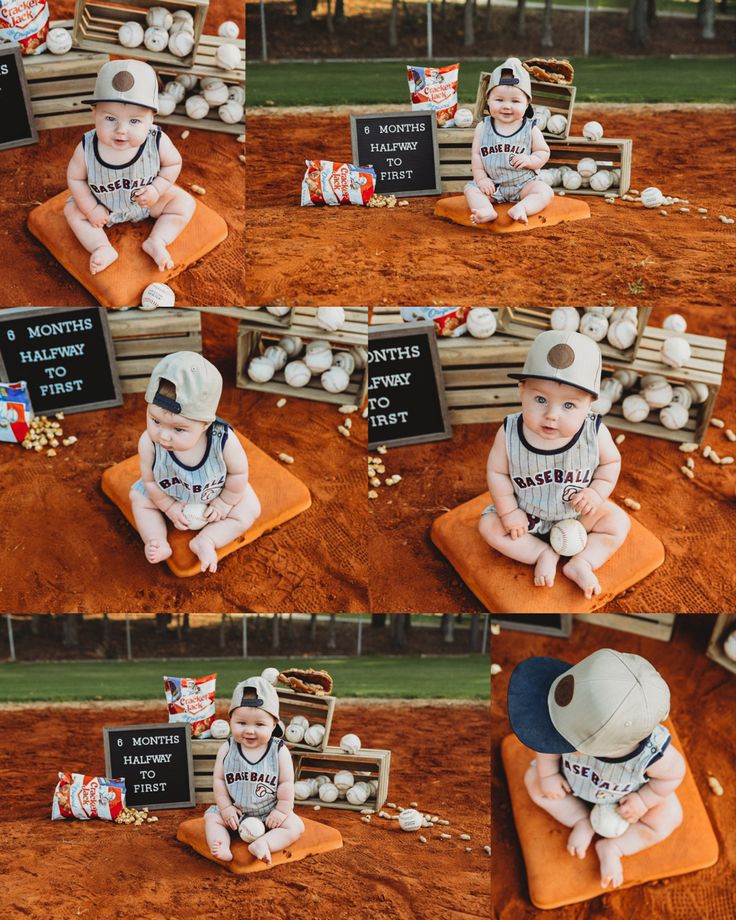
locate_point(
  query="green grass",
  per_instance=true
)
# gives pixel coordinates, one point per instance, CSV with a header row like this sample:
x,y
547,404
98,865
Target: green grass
x,y
602,79
463,677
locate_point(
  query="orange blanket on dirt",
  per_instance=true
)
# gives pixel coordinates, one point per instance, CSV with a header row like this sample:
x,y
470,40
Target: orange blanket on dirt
x,y
557,211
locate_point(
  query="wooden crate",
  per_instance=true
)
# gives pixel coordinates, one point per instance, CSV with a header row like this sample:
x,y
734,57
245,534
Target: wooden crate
x,y
705,366
140,339
204,753
654,625
253,316
725,624
559,99
96,24
528,322
367,764
455,145
317,710
609,153
57,83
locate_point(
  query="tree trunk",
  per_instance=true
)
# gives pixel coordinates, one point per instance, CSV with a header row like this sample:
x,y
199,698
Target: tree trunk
x,y
474,632
709,19
303,11
331,632
393,25
330,26
223,617
313,627
339,11
631,17
651,11
36,623
546,40
442,11
162,623
447,625
70,631
469,24
275,640
105,628
378,620
521,18
398,631
640,34
489,17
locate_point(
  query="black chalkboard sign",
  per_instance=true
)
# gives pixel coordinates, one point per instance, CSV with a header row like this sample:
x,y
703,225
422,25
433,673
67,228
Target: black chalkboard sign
x,y
17,127
545,624
402,148
156,762
65,355
406,391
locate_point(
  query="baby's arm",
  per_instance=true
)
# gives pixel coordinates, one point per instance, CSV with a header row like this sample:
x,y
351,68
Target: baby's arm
x,y
167,505
502,489
664,777
605,476
539,155
236,480
285,792
551,781
170,160
229,813
76,178
482,180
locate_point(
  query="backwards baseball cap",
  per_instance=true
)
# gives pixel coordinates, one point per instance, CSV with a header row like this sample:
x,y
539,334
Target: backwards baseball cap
x,y
134,82
198,386
265,697
564,357
511,73
602,706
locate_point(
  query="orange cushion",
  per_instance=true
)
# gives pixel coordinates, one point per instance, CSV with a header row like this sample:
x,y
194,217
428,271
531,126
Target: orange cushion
x,y
317,838
557,211
556,878
122,284
281,494
506,586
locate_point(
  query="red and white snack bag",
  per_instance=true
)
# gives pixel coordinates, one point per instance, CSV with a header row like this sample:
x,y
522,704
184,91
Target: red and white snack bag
x,y
434,89
25,22
448,321
85,797
191,699
331,183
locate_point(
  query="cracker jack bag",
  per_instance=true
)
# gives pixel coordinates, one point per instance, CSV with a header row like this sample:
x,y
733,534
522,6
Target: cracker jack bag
x,y
25,22
191,699
448,321
434,89
85,797
331,183
15,412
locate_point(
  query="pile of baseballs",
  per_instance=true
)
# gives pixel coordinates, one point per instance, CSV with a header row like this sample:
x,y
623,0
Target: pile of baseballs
x,y
639,395
342,785
619,325
299,731
586,175
164,31
199,96
299,363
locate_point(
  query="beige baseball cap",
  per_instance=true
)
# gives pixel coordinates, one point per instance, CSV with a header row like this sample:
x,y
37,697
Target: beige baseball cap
x,y
134,82
511,73
564,357
198,386
265,698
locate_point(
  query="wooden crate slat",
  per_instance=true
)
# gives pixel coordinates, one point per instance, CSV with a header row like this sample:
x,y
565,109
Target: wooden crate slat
x,y
654,625
725,623
159,345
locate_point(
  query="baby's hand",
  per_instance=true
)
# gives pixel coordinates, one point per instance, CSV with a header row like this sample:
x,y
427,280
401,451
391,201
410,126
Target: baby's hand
x,y
98,216
585,501
275,819
231,816
521,161
631,807
516,523
217,510
148,196
177,517
486,186
554,787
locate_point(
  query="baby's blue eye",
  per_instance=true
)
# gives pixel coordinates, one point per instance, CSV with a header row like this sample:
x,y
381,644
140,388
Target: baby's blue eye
x,y
569,405
109,118
540,399
135,121
179,430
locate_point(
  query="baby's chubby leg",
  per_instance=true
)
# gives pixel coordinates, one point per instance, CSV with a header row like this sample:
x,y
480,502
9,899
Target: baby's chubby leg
x,y
151,524
568,810
534,197
481,208
528,549
607,527
218,836
220,533
277,839
92,238
172,212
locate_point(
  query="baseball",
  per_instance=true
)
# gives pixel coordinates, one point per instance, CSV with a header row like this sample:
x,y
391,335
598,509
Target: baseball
x,y
607,821
463,118
181,43
319,361
175,90
313,735
220,729
297,374
335,380
658,394
481,322
157,295
181,25
344,779
299,720
565,319
602,405
682,397
228,57
302,791
675,351
328,792
629,313
572,180
616,177
612,388
345,360
568,537
276,355
236,94
231,112
361,356
194,513
587,167
250,828
550,177
216,93
197,107
622,334
410,820
635,408
350,744
593,325
183,16
556,124
601,181
541,116
729,646
593,130
260,369
675,323
601,311
274,311
130,34
291,344
187,80
271,675
166,104
228,29
626,377
155,39
320,780
294,733
331,318
674,416
58,41
651,197
699,392
159,17
357,795
649,379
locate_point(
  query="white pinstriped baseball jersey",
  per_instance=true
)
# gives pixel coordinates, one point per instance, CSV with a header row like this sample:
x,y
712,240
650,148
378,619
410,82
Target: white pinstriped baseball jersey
x,y
113,186
252,786
608,781
496,151
201,483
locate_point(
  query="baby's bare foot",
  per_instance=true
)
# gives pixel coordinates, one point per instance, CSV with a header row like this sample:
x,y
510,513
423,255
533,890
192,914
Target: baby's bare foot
x,y
609,856
221,850
580,837
101,258
206,551
518,212
581,572
157,551
259,848
159,253
482,216
546,568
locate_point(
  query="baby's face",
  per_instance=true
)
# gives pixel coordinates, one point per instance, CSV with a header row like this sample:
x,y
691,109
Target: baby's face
x,y
122,126
173,432
507,104
553,410
251,727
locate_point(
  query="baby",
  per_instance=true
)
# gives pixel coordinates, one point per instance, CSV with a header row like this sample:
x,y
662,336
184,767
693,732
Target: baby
x,y
194,470
125,169
508,150
253,776
555,460
596,728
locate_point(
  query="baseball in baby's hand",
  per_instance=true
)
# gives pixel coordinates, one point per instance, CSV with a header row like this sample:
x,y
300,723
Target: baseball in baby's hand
x,y
554,787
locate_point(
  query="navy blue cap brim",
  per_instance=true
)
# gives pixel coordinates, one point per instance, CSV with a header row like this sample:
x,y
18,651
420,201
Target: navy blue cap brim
x,y
527,705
